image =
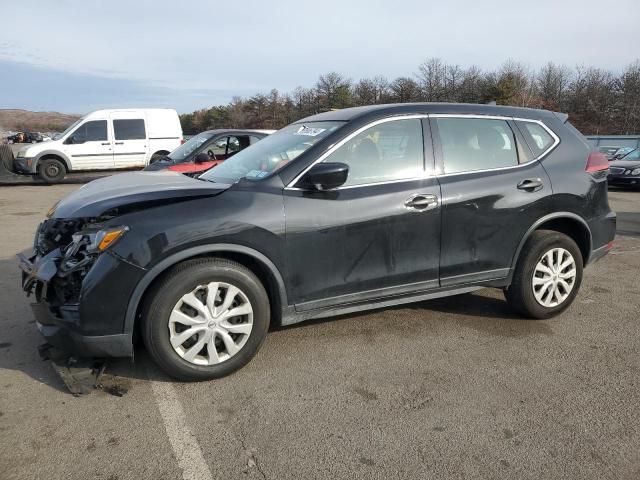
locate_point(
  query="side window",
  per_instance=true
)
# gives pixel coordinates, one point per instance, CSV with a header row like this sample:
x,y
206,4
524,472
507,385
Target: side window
x,y
129,129
536,136
470,144
234,145
389,151
94,131
219,146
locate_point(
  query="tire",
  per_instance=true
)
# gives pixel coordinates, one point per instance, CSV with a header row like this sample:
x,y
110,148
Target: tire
x,y
533,263
194,278
156,156
6,156
51,170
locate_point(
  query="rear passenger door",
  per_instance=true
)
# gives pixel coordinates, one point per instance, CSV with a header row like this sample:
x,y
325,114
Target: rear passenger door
x,y
130,140
493,190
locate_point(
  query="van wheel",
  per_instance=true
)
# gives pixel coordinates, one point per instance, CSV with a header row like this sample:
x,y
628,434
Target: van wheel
x,y
205,319
547,276
51,170
156,156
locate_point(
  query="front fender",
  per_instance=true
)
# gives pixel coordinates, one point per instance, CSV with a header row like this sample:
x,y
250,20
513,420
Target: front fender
x,y
168,262
56,153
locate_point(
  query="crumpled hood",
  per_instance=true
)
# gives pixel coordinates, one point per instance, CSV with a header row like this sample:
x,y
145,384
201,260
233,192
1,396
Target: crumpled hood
x,y
99,196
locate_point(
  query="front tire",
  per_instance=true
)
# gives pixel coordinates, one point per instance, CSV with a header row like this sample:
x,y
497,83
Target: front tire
x,y
547,276
205,319
51,170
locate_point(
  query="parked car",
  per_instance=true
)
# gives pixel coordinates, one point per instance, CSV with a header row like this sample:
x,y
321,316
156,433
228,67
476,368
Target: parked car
x,y
609,151
206,150
25,137
621,152
104,140
625,172
340,212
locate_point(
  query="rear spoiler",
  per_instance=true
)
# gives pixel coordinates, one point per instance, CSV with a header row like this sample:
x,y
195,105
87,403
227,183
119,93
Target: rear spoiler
x,y
563,117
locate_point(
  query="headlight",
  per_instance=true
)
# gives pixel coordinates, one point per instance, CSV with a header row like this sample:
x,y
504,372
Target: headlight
x,y
635,171
100,240
52,210
20,154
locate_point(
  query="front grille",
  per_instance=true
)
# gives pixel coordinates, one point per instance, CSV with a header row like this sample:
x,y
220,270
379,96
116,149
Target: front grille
x,y
616,170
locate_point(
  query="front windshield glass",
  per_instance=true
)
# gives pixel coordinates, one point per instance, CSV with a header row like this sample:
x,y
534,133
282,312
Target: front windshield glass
x,y
190,146
632,155
71,127
272,153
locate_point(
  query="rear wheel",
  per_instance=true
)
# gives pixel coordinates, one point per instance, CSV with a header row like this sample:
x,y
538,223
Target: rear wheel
x,y
157,156
51,170
547,276
206,319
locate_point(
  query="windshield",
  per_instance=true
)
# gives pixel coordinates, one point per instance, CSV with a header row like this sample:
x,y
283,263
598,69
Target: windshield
x,y
190,146
272,153
632,155
71,127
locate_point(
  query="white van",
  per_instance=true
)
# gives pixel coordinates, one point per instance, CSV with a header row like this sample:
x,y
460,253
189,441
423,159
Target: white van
x,y
104,140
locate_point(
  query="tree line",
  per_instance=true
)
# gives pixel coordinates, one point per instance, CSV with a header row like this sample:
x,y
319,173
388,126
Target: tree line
x,y
598,101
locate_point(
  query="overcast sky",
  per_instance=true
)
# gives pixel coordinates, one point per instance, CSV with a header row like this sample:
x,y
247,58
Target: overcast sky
x,y
78,55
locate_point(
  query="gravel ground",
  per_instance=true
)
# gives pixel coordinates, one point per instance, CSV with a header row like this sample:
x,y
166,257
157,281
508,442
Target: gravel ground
x,y
451,388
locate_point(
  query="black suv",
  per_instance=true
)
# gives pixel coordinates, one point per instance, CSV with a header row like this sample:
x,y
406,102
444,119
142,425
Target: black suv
x,y
339,212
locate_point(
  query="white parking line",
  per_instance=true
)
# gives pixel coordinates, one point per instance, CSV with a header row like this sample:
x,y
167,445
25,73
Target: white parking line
x,y
183,441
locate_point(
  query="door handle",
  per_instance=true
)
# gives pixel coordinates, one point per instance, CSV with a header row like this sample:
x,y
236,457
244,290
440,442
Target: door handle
x,y
106,143
530,184
421,202
119,143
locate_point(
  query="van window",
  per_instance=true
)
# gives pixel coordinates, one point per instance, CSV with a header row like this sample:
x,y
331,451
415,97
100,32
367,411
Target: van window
x,y
537,137
470,144
93,131
388,151
129,129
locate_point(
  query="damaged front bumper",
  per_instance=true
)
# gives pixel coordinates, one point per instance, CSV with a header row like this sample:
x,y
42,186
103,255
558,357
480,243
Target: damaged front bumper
x,y
65,326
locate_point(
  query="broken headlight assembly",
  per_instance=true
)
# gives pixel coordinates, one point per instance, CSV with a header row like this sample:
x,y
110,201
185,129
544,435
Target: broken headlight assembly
x,y
86,245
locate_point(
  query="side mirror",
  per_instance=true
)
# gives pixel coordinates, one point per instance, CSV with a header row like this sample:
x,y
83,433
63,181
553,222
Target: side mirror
x,y
325,176
202,157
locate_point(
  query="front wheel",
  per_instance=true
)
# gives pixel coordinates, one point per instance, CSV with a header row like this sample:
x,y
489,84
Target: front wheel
x,y
205,319
547,276
51,170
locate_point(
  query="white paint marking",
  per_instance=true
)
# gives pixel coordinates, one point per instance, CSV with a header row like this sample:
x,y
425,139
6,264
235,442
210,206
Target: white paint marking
x,y
183,441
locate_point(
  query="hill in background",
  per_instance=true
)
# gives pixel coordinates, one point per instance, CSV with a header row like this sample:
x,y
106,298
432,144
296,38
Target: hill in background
x,y
24,120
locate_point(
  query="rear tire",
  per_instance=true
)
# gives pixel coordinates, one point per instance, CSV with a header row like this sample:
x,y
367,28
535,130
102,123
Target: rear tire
x,y
192,297
547,276
51,170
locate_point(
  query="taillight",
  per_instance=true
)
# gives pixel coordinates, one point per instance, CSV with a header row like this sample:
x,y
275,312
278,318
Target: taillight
x,y
597,162
182,141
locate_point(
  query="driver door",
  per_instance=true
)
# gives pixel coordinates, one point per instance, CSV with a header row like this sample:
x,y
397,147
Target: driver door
x,y
377,235
89,147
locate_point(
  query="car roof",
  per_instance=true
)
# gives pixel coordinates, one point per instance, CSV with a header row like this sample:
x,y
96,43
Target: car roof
x,y
234,130
372,112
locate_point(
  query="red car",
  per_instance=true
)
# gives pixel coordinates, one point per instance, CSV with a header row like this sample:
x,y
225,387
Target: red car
x,y
206,150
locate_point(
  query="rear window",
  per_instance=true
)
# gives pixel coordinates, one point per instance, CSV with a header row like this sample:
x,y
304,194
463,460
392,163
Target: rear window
x,y
129,129
537,137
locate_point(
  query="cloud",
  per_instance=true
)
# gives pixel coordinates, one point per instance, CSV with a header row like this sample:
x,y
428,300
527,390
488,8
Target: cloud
x,y
251,46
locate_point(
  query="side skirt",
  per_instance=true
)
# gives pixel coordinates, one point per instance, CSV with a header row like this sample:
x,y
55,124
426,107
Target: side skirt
x,y
291,316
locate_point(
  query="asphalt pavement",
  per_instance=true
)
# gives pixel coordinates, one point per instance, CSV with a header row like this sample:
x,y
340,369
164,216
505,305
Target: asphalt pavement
x,y
452,388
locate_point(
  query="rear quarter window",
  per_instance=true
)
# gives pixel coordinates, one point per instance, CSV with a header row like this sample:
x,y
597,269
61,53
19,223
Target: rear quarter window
x,y
538,138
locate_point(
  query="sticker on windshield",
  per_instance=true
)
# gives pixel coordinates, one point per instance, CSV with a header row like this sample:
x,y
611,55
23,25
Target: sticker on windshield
x,y
309,131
